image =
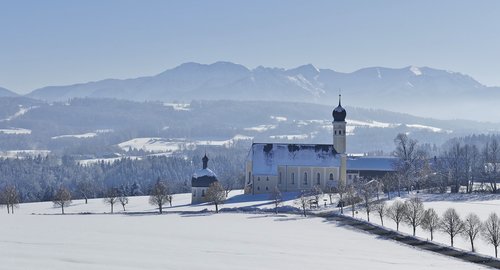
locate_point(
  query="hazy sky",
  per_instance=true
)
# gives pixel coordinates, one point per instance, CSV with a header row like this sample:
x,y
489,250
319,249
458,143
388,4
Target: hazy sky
x,y
63,42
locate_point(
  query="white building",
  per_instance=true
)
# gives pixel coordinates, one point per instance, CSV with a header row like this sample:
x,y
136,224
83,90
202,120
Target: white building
x,y
296,167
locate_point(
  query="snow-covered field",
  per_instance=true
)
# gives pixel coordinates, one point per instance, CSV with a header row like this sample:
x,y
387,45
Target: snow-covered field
x,y
17,131
161,145
195,240
23,153
480,204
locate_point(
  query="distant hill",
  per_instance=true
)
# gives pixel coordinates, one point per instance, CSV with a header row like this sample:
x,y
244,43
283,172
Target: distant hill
x,y
421,91
95,127
7,93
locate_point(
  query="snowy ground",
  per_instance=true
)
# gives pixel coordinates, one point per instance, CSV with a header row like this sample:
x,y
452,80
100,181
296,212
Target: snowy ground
x,y
480,204
192,241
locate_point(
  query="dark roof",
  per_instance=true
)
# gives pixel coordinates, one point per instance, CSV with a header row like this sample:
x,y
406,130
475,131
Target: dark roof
x,y
203,181
383,164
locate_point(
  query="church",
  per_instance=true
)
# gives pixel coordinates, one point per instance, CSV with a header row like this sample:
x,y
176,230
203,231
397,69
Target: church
x,y
201,181
297,167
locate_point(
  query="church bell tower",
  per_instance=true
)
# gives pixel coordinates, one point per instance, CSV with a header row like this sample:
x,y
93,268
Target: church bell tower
x,y
339,128
339,140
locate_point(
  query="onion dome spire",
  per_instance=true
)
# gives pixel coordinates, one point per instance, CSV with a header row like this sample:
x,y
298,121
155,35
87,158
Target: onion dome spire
x,y
339,113
205,161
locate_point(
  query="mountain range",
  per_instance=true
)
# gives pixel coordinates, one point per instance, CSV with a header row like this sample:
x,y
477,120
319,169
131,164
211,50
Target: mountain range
x,y
420,91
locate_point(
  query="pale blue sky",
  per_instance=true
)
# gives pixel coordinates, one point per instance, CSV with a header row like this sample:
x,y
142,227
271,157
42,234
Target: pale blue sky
x,y
63,42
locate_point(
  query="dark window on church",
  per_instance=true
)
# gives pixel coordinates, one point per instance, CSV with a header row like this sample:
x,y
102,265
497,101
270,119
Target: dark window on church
x,y
335,132
202,193
194,193
249,177
318,178
258,178
267,178
331,176
279,179
305,178
293,178
267,188
340,132
258,188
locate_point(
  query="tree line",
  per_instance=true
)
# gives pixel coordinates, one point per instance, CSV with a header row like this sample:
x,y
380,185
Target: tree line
x,y
39,178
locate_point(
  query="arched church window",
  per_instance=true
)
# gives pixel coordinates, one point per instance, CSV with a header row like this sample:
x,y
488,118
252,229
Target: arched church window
x,y
340,132
267,188
318,178
331,176
258,178
305,178
267,178
202,193
194,192
335,132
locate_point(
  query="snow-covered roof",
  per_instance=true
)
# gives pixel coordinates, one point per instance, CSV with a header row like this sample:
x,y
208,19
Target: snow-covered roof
x,y
203,178
204,172
371,163
266,157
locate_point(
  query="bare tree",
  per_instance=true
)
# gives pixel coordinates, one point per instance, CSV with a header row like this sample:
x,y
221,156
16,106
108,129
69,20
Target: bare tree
x,y
414,213
430,221
396,212
316,192
389,183
341,189
9,197
410,161
277,199
491,231
491,159
302,201
330,190
451,224
216,194
228,184
366,191
351,197
381,208
86,189
123,199
112,195
159,195
473,226
62,198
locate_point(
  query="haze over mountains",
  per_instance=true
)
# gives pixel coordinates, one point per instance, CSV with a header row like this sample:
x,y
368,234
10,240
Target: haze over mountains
x,y
421,91
225,103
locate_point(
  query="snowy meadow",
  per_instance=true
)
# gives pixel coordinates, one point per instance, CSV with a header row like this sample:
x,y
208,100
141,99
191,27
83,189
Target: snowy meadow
x,y
88,237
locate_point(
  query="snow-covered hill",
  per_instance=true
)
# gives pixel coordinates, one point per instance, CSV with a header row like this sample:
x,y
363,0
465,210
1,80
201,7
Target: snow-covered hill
x,y
194,241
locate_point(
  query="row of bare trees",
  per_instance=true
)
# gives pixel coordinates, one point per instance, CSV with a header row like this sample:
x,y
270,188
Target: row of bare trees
x,y
460,165
160,195
412,213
